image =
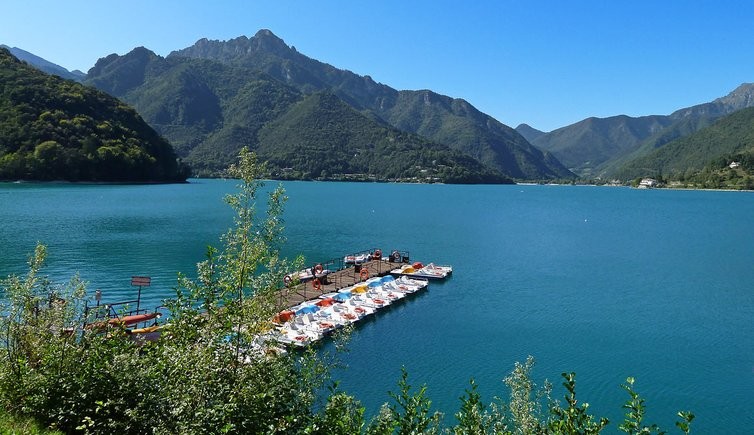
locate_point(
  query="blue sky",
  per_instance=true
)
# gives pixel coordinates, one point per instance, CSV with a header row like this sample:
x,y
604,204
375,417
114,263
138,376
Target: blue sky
x,y
545,63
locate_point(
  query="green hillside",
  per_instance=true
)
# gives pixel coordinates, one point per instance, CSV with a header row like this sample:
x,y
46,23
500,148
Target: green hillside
x,y
438,118
587,146
209,110
55,129
677,129
323,137
599,147
454,121
729,136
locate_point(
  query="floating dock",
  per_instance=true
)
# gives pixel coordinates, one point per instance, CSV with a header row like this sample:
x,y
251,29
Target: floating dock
x,y
347,275
316,301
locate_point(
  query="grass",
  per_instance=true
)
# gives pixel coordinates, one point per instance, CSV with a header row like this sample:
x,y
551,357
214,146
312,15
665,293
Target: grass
x,y
17,425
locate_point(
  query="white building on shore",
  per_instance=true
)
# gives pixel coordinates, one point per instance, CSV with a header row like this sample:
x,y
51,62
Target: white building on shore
x,y
648,183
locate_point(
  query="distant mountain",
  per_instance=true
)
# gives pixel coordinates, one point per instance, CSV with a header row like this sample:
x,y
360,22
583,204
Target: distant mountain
x,y
453,122
44,64
730,135
57,129
587,146
528,132
210,109
598,147
740,98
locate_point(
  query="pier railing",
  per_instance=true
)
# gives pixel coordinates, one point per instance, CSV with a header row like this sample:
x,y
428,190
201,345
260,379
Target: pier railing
x,y
338,273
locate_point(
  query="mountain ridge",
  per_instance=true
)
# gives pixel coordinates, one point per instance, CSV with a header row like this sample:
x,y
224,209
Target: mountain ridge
x,y
528,132
210,109
598,147
593,147
44,64
420,112
727,136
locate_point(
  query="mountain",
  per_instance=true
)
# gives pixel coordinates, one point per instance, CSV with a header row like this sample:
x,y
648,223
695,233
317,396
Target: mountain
x,y
528,132
598,147
728,136
587,146
44,65
209,110
441,119
57,129
352,143
740,98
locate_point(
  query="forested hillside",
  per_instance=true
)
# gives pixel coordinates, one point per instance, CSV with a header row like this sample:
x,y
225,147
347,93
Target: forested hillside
x,y
587,146
209,110
600,147
728,139
438,118
56,129
326,138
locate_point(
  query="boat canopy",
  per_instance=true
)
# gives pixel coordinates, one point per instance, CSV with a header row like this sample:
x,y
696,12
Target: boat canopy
x,y
342,296
284,316
326,302
307,309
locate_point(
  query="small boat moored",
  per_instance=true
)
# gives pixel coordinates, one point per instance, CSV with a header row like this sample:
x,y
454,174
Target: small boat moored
x,y
313,319
418,270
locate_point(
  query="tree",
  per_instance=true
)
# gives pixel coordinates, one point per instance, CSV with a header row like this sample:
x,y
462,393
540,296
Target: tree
x,y
206,374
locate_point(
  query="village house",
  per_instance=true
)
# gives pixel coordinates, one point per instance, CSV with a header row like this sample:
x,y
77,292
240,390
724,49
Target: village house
x,y
648,183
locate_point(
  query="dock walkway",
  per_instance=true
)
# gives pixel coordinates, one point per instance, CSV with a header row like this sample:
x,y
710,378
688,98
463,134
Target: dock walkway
x,y
334,281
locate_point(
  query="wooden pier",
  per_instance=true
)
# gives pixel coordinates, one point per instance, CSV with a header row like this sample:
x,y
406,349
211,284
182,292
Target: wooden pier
x,y
296,293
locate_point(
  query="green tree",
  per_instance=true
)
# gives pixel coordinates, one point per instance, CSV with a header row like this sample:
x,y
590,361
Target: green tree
x,y
208,373
471,416
574,419
409,413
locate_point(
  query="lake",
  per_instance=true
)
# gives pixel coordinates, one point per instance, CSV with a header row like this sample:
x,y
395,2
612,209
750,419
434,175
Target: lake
x,y
605,282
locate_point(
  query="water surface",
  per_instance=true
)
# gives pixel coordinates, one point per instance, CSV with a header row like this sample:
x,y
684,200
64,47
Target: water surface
x,y
606,282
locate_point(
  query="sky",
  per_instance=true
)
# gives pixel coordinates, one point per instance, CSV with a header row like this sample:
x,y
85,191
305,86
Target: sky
x,y
545,63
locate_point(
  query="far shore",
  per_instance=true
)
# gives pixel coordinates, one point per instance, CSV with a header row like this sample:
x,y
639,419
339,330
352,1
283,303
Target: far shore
x,y
631,187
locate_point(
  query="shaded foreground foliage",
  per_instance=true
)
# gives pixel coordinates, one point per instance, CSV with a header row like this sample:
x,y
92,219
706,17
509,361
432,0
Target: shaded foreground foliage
x,y
201,377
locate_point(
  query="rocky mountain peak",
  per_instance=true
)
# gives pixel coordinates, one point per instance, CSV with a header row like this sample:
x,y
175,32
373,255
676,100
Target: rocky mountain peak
x,y
241,48
139,53
117,75
265,40
740,98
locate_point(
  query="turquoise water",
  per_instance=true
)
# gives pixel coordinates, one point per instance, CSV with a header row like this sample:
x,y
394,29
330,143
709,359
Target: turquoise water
x,y
606,282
